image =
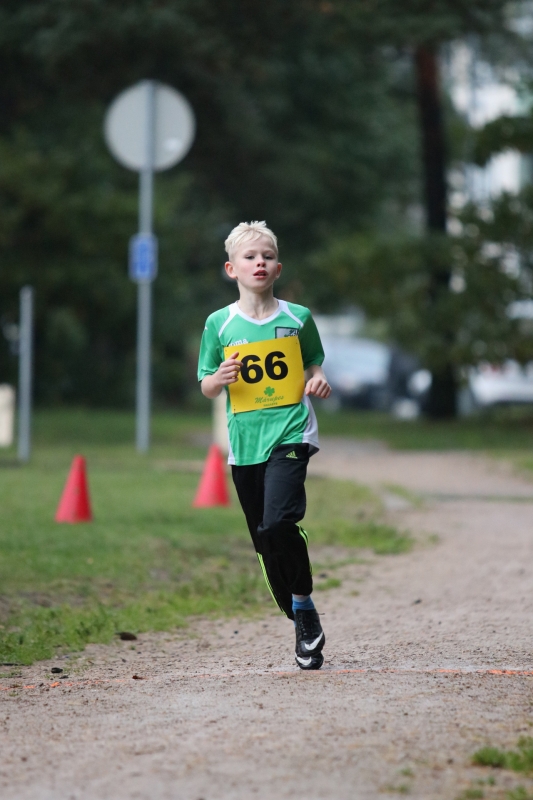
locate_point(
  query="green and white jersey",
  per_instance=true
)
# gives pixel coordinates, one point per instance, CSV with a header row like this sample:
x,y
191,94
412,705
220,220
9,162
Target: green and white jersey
x,y
254,434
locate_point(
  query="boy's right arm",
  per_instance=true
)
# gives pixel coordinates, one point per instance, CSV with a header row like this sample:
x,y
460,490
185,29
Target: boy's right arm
x,y
227,373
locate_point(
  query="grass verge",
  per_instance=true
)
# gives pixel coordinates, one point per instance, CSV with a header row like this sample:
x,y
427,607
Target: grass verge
x,y
498,429
519,760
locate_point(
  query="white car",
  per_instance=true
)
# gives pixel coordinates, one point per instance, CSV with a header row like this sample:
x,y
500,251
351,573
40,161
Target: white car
x,y
497,384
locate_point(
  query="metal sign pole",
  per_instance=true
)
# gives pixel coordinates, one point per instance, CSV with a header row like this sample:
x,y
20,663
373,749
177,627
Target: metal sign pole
x,y
144,291
143,140
25,372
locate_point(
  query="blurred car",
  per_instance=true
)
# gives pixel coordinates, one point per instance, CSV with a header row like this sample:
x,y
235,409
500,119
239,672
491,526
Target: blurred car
x,y
357,370
364,373
496,384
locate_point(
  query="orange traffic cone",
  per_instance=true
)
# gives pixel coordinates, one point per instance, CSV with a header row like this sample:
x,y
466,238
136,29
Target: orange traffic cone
x,y
75,505
213,490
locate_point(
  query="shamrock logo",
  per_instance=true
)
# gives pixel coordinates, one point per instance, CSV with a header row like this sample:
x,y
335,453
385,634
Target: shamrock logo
x,y
269,391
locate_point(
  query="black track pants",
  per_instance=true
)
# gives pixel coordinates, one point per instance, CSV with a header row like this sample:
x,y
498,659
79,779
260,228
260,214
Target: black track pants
x,y
272,496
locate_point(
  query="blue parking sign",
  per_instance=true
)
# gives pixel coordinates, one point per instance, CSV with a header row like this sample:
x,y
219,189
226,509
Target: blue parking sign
x,y
143,257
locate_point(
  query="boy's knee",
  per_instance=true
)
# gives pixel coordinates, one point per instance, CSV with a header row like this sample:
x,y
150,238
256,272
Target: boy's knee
x,y
282,514
281,537
284,553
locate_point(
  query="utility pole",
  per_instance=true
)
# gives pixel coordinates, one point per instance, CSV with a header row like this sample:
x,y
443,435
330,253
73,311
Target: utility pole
x,y
25,373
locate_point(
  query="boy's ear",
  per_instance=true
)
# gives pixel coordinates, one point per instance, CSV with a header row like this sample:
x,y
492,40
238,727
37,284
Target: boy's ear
x,y
280,267
230,272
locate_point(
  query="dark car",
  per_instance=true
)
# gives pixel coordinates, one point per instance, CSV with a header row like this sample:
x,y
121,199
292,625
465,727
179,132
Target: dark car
x,y
367,374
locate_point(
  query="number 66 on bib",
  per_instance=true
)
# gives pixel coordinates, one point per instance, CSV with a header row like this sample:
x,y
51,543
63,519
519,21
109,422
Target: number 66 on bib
x,y
272,374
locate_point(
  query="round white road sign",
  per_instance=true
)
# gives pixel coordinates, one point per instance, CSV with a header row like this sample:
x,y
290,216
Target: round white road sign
x,y
127,126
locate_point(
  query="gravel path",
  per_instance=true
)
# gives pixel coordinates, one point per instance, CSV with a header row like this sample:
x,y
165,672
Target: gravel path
x,y
428,657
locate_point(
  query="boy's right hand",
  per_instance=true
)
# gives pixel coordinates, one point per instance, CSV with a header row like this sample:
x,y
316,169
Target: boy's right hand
x,y
228,372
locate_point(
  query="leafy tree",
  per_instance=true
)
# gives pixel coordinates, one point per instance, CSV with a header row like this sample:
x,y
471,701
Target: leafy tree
x,y
306,116
423,26
467,324
503,133
296,123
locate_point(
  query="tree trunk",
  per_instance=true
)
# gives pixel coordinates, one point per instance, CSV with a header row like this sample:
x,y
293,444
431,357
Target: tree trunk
x,y
443,392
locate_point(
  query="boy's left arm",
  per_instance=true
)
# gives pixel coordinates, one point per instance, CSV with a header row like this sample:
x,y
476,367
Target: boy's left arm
x,y
317,384
313,356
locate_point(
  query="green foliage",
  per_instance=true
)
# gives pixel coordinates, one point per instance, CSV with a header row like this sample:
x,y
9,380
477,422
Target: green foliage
x,y
66,219
402,788
306,117
305,128
519,793
392,278
519,760
37,633
325,585
490,757
477,790
472,793
415,22
381,539
503,133
356,521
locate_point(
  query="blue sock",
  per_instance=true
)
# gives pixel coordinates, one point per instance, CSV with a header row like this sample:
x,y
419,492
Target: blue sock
x,y
302,605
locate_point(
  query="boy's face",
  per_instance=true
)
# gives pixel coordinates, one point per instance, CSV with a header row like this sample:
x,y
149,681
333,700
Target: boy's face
x,y
254,265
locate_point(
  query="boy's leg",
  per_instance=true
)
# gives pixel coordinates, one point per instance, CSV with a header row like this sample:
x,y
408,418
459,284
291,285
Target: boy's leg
x,y
272,496
282,541
250,485
284,546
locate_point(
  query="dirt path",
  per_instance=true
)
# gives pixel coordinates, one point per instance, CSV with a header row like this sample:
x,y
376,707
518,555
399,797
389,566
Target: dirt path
x,y
412,684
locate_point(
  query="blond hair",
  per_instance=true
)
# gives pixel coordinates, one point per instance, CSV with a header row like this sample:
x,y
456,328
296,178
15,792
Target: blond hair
x,y
247,232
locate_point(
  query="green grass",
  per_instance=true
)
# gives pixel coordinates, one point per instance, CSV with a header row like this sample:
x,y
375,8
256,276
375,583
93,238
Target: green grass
x,y
519,793
405,494
477,790
148,560
522,462
407,772
328,583
472,793
519,760
498,429
343,513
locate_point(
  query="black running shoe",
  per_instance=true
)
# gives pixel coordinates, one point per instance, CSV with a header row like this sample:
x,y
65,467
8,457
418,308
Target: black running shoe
x,y
310,639
310,662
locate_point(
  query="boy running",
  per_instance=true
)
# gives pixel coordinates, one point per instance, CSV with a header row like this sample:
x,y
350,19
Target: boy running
x,y
257,350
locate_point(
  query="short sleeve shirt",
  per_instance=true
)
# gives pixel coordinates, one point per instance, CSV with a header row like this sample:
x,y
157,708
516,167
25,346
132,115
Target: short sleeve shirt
x,y
254,434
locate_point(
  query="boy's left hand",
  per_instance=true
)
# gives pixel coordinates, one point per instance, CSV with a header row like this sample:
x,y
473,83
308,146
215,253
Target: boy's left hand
x,y
318,385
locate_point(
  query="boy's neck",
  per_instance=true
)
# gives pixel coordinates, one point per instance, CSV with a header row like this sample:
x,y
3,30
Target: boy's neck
x,y
257,306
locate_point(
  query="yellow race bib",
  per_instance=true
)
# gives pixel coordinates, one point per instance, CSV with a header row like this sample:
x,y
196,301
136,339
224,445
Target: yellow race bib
x,y
272,374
